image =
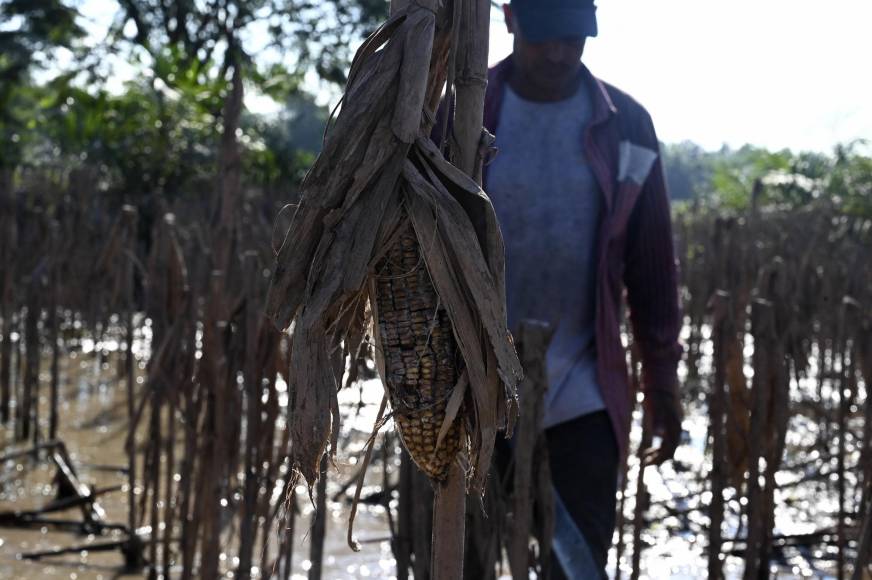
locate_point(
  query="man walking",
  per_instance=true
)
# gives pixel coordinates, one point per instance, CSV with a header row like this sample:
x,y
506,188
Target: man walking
x,y
579,191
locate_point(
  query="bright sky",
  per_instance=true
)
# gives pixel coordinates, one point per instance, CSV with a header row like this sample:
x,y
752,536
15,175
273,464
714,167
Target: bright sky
x,y
776,73
773,73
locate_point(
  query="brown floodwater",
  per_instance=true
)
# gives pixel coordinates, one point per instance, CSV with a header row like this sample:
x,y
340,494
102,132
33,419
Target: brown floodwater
x,y
93,425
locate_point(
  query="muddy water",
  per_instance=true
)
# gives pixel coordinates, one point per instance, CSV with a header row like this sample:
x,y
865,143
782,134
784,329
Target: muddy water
x,y
93,426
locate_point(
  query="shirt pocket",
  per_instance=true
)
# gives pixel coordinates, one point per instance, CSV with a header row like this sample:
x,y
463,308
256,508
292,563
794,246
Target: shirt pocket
x,y
635,163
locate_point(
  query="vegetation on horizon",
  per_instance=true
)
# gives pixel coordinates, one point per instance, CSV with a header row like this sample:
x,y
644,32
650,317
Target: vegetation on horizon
x,y
62,108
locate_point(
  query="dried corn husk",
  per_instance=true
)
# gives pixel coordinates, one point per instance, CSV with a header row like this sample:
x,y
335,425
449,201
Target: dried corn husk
x,y
377,176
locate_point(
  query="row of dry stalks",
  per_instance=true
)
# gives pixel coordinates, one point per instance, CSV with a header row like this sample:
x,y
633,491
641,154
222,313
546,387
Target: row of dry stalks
x,y
209,440
782,299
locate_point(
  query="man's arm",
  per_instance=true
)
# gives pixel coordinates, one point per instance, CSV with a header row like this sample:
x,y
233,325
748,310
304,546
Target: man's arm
x,y
651,278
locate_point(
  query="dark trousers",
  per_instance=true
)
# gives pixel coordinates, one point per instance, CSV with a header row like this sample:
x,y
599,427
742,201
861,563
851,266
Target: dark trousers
x,y
584,468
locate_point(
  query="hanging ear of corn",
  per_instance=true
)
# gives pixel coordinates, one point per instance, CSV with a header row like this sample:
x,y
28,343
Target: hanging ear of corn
x,y
384,218
420,358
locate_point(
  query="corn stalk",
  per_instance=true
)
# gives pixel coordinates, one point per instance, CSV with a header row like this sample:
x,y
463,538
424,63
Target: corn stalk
x,y
385,220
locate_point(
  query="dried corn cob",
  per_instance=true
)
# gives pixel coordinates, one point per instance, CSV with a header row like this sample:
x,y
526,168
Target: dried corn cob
x,y
420,355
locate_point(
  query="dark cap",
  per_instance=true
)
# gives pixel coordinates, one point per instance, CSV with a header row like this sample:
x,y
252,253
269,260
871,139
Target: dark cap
x,y
544,20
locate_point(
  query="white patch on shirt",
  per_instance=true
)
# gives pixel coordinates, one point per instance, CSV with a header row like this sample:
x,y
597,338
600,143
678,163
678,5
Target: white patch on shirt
x,y
635,162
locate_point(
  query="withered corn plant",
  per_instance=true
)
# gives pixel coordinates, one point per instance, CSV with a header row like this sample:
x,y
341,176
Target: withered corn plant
x,y
206,442
785,295
391,240
8,243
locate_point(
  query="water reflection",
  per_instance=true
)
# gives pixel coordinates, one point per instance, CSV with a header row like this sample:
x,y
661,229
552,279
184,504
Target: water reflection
x,y
93,426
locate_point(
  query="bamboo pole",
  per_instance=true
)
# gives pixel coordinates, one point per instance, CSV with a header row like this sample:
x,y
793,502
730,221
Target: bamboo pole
x,y
134,549
287,498
403,543
285,558
153,474
422,523
842,381
449,522
75,501
763,331
722,334
33,451
533,340
29,416
620,520
229,165
18,372
54,323
287,552
105,546
5,359
9,237
642,496
169,506
253,390
191,481
470,74
864,546
863,353
471,82
722,308
388,456
319,526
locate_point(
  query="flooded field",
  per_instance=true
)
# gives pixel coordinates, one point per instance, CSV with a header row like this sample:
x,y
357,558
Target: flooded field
x,y
94,429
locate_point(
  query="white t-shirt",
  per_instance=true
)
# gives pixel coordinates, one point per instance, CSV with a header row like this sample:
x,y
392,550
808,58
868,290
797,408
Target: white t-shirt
x,y
549,206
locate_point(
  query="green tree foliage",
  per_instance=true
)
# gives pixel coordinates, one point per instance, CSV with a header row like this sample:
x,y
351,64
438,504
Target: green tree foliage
x,y
285,146
32,30
142,140
850,178
139,141
161,131
735,172
730,178
201,42
688,169
32,33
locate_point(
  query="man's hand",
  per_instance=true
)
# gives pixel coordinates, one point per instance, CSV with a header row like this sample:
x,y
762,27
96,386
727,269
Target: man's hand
x,y
664,410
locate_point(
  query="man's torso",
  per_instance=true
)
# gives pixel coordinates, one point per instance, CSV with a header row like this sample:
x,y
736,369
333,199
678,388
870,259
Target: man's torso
x,y
549,206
